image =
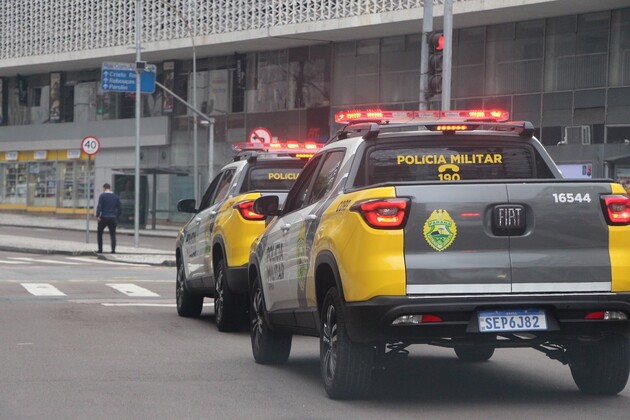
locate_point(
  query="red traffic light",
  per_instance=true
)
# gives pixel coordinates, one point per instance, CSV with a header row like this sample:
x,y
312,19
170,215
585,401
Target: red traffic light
x,y
436,41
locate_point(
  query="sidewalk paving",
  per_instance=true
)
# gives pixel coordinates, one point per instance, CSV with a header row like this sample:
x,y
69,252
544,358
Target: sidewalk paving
x,y
124,254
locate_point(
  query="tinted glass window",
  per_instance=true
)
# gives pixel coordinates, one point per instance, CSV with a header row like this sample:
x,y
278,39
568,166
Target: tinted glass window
x,y
205,201
224,186
451,163
326,177
279,177
300,191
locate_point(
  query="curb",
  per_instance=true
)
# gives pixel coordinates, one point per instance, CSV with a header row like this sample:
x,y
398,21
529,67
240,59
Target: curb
x,y
164,263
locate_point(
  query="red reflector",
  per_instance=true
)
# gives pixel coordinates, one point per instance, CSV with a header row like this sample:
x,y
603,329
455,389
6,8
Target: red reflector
x,y
246,210
595,315
470,214
384,214
617,209
430,318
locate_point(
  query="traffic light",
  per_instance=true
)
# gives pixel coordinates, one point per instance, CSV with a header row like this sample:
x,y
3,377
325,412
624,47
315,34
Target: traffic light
x,y
435,42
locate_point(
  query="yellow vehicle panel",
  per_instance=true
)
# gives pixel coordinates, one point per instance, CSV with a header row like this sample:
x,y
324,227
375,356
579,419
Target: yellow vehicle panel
x,y
619,249
237,233
373,263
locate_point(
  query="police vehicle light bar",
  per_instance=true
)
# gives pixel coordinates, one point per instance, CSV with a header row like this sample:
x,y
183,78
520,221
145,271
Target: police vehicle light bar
x,y
302,150
398,117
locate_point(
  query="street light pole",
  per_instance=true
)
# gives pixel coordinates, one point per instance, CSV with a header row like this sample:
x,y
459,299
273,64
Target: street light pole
x,y
209,122
136,212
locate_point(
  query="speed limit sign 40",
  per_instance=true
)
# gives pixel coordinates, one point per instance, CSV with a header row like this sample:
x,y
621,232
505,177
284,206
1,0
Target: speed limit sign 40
x,y
90,145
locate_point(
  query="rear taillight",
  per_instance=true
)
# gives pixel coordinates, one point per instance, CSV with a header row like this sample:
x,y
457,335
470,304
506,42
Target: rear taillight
x,y
246,208
617,209
390,213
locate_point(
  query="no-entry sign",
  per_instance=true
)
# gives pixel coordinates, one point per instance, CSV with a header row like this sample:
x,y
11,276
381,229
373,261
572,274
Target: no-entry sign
x,y
259,135
90,145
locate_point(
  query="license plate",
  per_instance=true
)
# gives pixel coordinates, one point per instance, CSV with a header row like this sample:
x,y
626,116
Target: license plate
x,y
512,320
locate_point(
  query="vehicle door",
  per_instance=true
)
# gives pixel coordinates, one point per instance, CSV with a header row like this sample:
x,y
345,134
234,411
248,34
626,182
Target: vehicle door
x,y
298,230
206,226
273,263
191,230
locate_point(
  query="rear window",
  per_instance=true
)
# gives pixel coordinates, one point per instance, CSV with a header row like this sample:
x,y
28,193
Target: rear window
x,y
448,163
278,176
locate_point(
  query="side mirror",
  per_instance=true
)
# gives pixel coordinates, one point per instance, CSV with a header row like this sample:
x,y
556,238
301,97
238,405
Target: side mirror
x,y
268,205
187,206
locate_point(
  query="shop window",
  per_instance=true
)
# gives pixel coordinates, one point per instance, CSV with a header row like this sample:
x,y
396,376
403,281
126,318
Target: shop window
x,y
42,184
15,186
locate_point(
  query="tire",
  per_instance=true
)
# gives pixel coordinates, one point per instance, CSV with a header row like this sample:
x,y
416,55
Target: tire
x,y
346,367
229,314
474,354
268,347
189,305
601,368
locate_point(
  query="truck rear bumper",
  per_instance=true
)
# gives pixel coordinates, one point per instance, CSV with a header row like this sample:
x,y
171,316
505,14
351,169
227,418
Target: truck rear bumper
x,y
371,321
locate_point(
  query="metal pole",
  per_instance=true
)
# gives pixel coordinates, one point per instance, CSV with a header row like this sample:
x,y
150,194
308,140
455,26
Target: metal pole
x,y
210,150
195,143
427,28
136,212
447,55
87,201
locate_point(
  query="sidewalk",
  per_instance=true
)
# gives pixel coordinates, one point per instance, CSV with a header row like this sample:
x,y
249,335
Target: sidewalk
x,y
124,254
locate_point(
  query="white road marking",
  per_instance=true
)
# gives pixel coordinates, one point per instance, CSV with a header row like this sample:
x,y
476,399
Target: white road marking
x,y
37,260
42,289
165,305
12,262
132,290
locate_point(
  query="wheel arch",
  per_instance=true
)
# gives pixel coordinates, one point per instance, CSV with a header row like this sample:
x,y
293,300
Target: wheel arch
x,y
218,252
326,276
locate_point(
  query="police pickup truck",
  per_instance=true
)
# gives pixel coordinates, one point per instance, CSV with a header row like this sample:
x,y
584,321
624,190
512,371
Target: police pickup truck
x,y
447,228
212,249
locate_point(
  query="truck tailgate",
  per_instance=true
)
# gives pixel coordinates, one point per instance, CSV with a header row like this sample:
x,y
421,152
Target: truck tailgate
x,y
565,245
506,238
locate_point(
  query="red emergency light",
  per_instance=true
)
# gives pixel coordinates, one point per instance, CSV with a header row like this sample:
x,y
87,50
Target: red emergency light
x,y
292,147
399,117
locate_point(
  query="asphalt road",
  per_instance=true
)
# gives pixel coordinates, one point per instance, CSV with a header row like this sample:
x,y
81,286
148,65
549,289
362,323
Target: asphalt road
x,y
103,352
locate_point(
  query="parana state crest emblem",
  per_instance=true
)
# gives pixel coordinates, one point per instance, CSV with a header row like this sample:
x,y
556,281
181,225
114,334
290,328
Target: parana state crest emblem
x,y
440,230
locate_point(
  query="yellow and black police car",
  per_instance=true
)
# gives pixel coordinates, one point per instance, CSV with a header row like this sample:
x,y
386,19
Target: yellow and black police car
x,y
212,249
448,228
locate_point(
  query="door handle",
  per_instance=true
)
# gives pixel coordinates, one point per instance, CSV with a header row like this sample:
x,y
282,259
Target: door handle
x,y
198,220
286,228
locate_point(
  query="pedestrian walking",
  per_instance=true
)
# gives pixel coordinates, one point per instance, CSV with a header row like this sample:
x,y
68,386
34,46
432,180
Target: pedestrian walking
x,y
107,213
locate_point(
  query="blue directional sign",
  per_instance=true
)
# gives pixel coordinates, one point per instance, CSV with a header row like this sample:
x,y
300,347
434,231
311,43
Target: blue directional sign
x,y
121,77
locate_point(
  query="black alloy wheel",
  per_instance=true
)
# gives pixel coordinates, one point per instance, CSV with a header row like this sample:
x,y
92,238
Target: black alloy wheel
x,y
268,347
189,305
346,367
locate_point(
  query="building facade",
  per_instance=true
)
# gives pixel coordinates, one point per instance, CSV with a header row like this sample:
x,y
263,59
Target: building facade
x,y
288,66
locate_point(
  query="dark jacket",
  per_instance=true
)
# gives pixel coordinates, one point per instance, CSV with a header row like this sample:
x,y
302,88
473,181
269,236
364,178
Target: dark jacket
x,y
108,205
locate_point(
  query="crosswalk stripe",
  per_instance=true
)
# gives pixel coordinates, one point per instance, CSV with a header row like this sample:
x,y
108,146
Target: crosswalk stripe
x,y
42,289
43,261
132,290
